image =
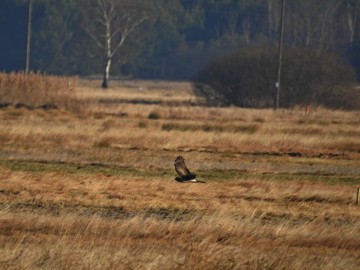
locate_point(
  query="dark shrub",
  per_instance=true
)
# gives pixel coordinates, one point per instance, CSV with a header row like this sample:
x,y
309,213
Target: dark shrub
x,y
154,115
247,77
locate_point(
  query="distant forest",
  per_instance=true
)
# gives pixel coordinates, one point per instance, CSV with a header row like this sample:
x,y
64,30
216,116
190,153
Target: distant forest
x,y
175,38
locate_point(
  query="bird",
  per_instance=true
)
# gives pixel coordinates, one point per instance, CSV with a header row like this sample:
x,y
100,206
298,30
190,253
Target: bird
x,y
184,173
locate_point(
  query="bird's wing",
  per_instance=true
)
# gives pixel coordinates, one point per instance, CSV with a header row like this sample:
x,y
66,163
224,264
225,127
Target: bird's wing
x,y
181,168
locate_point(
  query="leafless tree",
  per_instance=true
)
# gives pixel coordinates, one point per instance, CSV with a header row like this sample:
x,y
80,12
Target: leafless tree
x,y
273,11
351,12
109,23
313,23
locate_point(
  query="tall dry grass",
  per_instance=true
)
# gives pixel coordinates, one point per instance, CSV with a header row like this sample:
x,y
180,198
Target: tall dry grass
x,y
36,89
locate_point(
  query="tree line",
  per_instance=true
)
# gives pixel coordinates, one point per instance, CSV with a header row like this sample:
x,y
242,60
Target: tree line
x,y
169,39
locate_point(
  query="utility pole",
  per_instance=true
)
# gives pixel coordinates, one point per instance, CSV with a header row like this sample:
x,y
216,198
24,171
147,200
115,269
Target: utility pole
x,y
281,39
28,38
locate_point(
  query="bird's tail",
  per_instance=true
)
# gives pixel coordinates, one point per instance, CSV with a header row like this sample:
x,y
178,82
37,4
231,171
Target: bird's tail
x,y
198,181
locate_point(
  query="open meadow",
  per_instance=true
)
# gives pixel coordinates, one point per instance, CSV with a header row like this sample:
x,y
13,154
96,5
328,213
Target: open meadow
x,y
90,184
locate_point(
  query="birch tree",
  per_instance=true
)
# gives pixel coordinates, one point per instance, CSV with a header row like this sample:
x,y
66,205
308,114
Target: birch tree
x,y
109,24
313,24
351,14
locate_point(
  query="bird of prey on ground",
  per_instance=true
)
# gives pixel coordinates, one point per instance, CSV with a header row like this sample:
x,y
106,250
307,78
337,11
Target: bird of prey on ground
x,y
184,173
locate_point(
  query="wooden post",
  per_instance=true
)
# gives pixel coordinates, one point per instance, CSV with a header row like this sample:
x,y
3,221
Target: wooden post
x,y
28,39
281,41
357,195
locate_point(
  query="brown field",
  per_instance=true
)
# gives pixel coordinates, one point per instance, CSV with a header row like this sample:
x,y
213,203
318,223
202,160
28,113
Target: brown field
x,y
92,186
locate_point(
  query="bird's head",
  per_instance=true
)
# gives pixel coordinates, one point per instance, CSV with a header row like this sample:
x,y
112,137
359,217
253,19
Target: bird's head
x,y
179,159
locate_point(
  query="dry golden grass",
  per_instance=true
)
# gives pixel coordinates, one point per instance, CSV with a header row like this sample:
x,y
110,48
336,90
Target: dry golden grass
x,y
36,89
95,190
66,220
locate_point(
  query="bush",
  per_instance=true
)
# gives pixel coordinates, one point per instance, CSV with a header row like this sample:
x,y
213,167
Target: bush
x,y
247,77
154,115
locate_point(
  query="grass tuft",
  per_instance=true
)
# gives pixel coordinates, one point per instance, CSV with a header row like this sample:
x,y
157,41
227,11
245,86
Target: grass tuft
x,y
154,115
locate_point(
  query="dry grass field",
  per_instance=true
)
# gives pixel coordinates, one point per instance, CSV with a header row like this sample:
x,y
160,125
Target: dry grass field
x,y
92,186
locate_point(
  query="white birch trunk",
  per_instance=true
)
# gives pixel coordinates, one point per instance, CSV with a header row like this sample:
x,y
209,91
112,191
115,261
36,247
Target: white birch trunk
x,y
105,83
351,23
108,52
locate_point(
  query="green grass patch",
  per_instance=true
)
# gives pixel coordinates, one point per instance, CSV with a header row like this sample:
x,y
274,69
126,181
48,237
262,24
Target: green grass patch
x,y
251,128
220,175
93,168
208,176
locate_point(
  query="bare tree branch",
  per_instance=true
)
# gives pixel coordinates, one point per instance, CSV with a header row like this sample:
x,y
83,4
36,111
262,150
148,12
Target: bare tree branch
x,y
110,27
94,38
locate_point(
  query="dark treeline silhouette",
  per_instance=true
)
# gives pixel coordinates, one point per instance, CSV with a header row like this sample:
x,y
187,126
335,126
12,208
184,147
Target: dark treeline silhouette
x,y
177,37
